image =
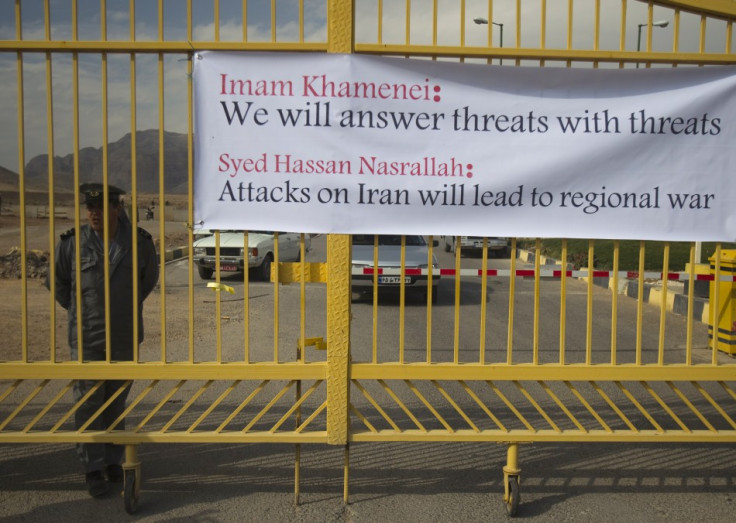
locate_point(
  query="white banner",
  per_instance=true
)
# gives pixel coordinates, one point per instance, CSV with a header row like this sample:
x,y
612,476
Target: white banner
x,y
326,143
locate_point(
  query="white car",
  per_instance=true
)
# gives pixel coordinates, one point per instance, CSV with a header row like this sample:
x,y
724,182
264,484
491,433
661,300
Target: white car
x,y
260,252
389,261
475,244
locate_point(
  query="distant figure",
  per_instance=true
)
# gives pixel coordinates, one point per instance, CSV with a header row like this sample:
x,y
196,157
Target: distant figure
x,y
149,213
100,459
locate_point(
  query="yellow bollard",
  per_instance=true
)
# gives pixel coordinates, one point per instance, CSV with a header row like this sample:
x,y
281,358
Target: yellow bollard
x,y
725,308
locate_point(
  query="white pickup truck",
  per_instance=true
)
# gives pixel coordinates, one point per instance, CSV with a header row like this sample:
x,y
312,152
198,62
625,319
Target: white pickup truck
x,y
261,252
496,245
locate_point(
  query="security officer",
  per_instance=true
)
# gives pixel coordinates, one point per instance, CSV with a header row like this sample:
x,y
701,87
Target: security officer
x,y
100,459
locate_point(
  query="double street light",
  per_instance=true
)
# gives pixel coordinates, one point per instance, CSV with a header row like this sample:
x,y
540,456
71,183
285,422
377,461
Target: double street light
x,y
479,20
660,23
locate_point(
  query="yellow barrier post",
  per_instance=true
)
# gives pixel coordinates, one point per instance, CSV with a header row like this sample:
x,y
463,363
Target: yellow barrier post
x,y
340,40
723,303
340,37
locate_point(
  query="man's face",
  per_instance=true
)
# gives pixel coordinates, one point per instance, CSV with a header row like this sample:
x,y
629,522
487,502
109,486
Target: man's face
x,y
96,218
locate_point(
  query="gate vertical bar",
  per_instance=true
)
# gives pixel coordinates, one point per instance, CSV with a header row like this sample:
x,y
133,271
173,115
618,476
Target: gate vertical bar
x,y
134,180
52,203
340,40
161,185
21,187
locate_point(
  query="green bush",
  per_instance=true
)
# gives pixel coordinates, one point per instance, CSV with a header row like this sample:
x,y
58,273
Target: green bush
x,y
577,253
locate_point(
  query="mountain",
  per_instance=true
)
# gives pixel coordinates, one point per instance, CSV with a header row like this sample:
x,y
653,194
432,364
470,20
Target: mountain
x,y
8,179
119,164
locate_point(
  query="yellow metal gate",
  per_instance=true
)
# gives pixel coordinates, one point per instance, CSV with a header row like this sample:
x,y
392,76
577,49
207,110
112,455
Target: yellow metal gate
x,y
495,357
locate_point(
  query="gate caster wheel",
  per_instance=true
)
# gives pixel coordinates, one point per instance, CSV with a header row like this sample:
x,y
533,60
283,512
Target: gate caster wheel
x,y
512,501
130,492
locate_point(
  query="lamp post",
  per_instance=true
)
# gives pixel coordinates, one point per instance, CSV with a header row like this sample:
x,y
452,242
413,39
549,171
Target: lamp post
x,y
660,23
479,20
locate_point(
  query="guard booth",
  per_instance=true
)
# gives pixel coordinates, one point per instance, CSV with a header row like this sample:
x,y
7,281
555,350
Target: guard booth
x,y
511,351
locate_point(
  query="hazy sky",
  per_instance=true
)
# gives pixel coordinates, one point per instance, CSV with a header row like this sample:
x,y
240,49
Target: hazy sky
x,y
259,29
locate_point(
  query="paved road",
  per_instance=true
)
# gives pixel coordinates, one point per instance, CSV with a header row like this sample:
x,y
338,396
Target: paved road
x,y
443,319
397,481
389,482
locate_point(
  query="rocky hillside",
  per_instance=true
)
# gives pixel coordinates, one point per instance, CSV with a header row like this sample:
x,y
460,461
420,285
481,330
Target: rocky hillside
x,y
8,179
119,164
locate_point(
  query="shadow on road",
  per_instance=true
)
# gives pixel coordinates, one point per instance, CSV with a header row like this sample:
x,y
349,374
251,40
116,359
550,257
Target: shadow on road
x,y
179,476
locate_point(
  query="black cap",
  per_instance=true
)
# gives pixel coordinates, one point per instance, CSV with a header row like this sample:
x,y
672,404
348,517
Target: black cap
x,y
93,193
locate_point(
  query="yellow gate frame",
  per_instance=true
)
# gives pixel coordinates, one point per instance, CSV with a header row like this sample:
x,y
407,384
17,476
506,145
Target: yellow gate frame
x,y
701,388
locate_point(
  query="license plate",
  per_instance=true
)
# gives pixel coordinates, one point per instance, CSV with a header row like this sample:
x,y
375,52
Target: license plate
x,y
393,279
228,267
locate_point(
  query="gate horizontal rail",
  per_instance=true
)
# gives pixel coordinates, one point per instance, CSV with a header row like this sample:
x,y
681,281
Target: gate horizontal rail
x,y
387,370
168,370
